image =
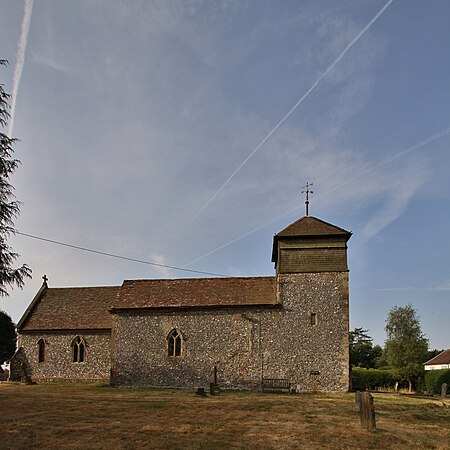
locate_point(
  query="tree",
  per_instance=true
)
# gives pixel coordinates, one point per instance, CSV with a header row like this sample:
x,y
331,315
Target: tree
x,y
9,207
8,337
406,346
362,351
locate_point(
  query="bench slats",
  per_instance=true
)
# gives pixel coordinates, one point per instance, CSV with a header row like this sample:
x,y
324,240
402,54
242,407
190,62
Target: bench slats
x,y
276,384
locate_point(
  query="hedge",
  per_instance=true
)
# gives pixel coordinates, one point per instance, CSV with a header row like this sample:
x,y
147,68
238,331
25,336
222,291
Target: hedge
x,y
373,378
434,380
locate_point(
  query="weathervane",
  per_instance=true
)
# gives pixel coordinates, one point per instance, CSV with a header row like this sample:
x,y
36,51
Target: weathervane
x,y
307,192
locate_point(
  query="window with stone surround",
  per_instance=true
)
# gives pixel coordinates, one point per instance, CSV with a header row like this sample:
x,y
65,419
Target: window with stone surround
x,y
41,350
174,344
78,349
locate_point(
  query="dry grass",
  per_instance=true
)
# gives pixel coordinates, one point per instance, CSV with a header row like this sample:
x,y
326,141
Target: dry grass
x,y
77,416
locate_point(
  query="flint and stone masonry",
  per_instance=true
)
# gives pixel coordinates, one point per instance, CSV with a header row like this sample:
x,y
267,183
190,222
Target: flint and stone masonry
x,y
172,333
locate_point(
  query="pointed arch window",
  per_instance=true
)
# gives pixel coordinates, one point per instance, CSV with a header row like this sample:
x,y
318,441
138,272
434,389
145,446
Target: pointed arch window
x,y
174,344
78,349
41,350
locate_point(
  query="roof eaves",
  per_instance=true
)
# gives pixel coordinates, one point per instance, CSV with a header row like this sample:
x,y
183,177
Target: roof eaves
x,y
441,358
117,309
36,299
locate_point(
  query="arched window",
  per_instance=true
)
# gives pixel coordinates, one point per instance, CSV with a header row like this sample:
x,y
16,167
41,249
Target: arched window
x,y
41,350
78,349
174,344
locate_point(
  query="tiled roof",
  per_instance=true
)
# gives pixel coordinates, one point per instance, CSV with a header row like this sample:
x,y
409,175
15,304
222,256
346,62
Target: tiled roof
x,y
70,308
311,226
442,358
197,292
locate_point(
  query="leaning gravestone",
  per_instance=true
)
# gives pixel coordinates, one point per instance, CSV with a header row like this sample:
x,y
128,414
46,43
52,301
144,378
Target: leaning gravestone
x,y
367,412
444,390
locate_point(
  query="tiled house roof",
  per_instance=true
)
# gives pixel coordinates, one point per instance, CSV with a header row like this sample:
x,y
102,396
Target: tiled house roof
x,y
442,358
311,226
197,292
84,308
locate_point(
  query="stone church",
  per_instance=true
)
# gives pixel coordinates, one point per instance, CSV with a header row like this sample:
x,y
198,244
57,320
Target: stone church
x,y
182,332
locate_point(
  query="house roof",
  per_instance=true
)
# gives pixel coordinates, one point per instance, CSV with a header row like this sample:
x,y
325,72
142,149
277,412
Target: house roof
x,y
84,308
311,226
442,358
197,292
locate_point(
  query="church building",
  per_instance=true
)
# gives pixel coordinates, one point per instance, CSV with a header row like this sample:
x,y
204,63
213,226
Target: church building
x,y
238,332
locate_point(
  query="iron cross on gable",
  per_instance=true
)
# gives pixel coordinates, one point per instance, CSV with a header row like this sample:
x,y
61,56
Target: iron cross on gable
x,y
45,279
307,191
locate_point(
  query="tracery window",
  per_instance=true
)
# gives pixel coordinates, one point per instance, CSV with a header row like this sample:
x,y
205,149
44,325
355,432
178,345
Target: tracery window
x,y
41,350
174,344
78,350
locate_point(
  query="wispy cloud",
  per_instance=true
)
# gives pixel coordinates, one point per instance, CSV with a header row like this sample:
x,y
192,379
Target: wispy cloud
x,y
439,288
398,289
296,105
20,59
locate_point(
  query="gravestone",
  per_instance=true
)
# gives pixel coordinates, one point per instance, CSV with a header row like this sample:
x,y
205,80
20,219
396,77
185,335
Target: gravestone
x,y
367,412
201,392
444,390
357,400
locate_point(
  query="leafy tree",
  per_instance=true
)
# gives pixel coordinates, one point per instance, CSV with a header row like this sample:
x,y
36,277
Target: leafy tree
x,y
8,337
380,359
9,208
362,351
406,346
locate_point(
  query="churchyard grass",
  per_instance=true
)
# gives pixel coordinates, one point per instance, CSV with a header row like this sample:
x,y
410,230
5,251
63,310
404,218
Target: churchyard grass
x,y
83,416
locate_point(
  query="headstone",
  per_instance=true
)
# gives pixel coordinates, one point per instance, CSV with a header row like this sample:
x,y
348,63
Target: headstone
x,y
357,399
367,412
201,392
444,390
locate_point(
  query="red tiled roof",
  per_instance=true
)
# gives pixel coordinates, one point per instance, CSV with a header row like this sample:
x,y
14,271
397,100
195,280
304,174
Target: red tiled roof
x,y
311,226
442,358
70,308
197,292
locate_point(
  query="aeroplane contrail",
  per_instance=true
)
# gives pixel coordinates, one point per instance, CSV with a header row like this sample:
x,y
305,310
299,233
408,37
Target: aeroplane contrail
x,y
20,60
299,102
425,142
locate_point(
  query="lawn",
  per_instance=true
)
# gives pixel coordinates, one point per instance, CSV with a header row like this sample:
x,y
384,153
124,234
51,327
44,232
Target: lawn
x,y
75,416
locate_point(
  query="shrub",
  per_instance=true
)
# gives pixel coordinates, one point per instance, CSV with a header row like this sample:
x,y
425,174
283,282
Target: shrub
x,y
434,380
373,378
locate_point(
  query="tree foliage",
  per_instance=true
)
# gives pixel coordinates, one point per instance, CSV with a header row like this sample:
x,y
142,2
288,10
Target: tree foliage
x,y
362,351
9,207
406,347
8,337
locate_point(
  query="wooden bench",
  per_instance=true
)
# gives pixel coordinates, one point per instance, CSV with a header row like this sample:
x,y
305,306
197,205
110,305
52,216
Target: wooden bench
x,y
276,384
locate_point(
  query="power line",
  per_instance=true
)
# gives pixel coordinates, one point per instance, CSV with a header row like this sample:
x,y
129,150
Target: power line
x,y
111,255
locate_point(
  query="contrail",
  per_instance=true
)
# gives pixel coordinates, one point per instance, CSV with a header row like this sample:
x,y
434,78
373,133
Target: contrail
x,y
382,163
299,102
20,59
214,250
389,159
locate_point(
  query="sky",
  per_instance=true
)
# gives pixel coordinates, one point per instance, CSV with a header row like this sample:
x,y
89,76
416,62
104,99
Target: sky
x,y
181,132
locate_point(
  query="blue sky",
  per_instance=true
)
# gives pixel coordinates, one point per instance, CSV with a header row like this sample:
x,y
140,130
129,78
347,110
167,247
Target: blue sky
x,y
136,119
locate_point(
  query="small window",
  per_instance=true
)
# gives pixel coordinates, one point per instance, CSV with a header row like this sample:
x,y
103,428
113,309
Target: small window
x,y
41,350
174,344
78,350
314,320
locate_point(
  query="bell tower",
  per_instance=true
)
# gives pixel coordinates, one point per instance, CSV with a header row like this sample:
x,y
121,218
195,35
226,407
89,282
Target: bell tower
x,y
310,245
